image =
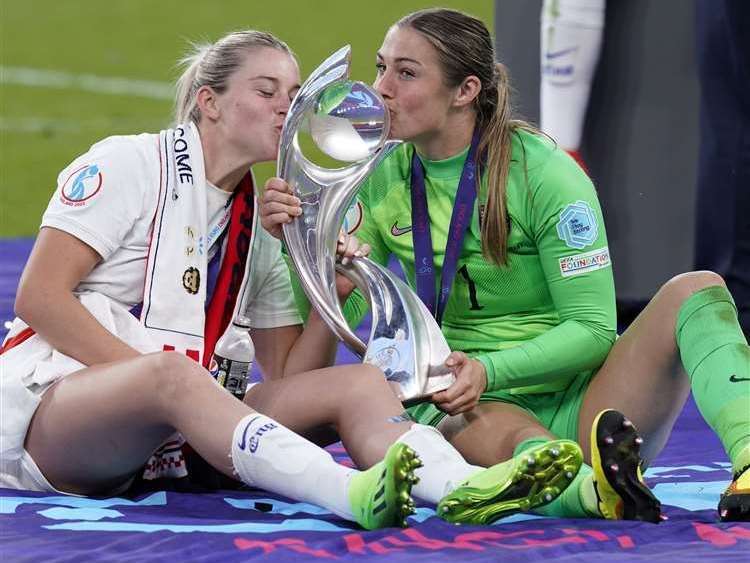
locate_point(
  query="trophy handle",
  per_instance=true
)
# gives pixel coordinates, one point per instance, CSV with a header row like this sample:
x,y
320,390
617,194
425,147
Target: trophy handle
x,y
404,337
315,241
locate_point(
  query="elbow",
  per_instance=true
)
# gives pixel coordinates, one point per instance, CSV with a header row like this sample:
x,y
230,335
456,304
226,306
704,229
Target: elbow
x,y
33,303
605,339
24,304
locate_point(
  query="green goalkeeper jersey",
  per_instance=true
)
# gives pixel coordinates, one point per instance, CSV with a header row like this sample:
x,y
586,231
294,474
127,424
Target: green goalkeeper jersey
x,y
546,316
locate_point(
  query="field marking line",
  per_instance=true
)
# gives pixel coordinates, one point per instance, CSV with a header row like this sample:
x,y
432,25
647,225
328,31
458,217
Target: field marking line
x,y
41,78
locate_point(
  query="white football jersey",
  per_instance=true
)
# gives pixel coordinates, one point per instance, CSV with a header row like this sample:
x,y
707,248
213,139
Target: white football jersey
x,y
107,198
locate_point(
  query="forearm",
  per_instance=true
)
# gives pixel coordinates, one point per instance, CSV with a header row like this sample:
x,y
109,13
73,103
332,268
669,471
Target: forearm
x,y
315,347
554,356
72,330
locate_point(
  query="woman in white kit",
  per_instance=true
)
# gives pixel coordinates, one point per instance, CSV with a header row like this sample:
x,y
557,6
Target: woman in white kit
x,y
132,279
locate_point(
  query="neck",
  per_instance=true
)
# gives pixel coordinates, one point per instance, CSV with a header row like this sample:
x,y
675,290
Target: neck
x,y
225,167
452,138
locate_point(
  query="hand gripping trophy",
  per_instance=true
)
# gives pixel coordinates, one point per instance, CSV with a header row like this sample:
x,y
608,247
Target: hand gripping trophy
x,y
349,122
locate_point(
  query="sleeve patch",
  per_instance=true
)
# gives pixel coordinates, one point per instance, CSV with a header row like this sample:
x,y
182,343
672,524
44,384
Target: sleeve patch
x,y
577,226
584,263
82,184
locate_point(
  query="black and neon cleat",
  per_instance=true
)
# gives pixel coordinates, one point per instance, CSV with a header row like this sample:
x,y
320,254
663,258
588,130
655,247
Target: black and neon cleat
x,y
734,505
615,458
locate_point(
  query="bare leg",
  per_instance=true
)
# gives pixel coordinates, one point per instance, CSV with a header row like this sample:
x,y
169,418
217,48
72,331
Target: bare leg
x,y
643,376
490,432
95,428
356,399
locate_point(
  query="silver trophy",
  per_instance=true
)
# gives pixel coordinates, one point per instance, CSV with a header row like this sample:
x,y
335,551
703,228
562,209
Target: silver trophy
x,y
349,122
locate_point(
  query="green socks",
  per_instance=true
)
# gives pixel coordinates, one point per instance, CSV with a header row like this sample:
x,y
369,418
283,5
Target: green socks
x,y
717,359
578,500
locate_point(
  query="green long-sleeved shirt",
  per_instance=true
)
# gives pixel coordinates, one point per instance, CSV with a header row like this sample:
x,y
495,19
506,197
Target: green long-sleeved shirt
x,y
550,313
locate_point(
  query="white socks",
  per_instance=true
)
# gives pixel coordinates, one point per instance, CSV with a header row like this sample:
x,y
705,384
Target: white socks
x,y
571,37
268,455
444,469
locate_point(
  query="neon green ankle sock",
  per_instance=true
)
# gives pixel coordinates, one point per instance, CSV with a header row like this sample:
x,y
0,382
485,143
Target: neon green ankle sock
x,y
576,501
716,357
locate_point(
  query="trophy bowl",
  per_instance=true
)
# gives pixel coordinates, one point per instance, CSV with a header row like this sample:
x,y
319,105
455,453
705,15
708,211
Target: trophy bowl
x,y
348,122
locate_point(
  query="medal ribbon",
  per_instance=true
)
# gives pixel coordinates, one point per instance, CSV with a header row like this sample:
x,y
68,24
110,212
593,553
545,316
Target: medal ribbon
x,y
463,209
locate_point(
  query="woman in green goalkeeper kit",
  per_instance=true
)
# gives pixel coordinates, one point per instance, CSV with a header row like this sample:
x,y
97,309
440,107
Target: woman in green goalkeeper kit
x,y
525,297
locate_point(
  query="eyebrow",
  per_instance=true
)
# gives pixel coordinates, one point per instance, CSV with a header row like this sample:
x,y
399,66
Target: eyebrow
x,y
275,81
401,59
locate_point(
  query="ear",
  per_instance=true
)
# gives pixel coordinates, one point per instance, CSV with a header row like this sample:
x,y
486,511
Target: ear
x,y
467,91
206,100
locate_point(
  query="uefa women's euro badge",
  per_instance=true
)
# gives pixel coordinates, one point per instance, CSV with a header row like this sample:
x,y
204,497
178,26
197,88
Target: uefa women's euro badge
x,y
348,121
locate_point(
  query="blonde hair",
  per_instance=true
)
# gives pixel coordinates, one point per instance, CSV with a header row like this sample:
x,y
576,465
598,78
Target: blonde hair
x,y
211,64
465,48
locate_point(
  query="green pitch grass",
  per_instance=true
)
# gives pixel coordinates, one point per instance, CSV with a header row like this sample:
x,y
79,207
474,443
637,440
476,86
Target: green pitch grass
x,y
43,128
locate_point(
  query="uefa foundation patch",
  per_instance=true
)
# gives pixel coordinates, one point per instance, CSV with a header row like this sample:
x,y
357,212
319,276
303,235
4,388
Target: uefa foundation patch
x,y
583,263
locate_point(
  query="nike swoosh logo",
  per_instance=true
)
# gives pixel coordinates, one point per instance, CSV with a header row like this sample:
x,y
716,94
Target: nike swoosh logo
x,y
557,54
243,442
397,231
734,379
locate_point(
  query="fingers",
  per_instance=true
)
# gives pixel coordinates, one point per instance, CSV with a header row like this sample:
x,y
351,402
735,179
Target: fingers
x,y
364,250
278,206
463,395
457,407
459,388
455,359
349,246
277,185
291,208
462,403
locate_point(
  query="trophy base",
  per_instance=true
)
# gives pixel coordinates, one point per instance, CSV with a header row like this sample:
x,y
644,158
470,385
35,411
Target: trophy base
x,y
435,385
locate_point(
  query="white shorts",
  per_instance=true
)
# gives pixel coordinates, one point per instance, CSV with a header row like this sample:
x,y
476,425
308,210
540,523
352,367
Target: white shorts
x,y
27,371
23,473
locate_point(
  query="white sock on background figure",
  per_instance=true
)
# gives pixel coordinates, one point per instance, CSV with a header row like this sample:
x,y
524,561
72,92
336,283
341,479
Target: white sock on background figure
x,y
571,38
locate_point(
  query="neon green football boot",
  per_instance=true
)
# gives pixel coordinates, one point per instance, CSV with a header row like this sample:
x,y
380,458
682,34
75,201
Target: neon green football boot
x,y
380,497
531,479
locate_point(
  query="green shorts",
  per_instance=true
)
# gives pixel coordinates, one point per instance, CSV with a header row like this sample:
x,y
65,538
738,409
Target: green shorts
x,y
558,411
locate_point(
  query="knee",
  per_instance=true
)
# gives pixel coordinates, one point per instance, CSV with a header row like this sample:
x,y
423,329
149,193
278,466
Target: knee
x,y
684,285
167,374
368,382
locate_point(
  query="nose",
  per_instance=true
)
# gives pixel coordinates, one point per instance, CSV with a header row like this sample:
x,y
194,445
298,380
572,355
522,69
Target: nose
x,y
383,85
283,108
